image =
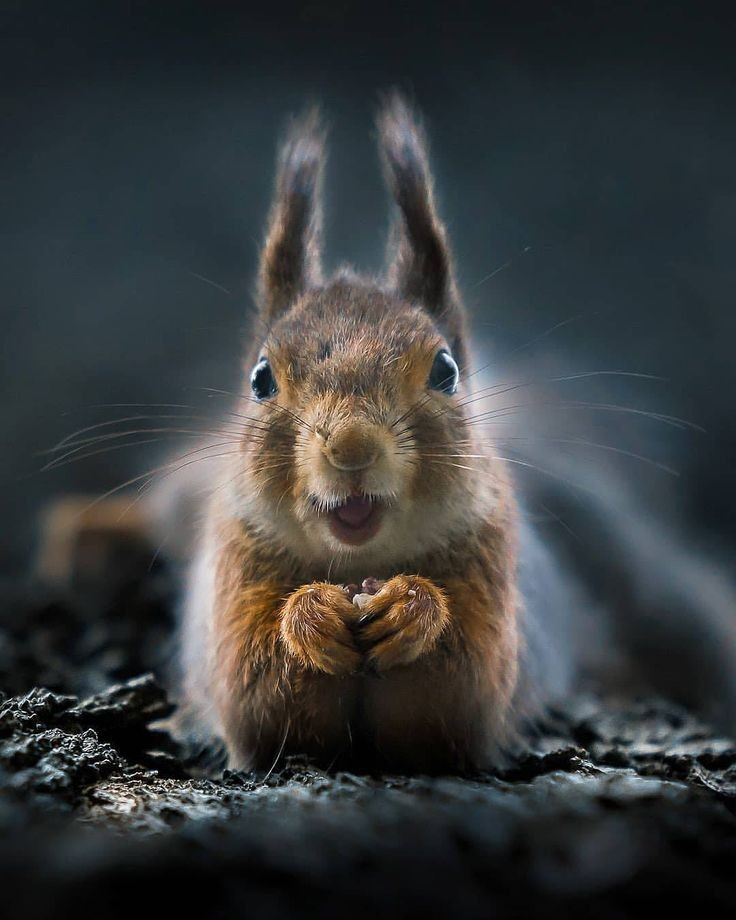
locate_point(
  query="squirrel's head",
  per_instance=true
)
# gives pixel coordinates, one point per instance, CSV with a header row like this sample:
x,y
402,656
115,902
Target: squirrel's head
x,y
359,446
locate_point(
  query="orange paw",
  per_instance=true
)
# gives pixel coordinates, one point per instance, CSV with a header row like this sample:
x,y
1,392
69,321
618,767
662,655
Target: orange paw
x,y
402,621
314,629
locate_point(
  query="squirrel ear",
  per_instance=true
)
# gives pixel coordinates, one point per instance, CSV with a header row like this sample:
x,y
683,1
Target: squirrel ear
x,y
290,261
420,267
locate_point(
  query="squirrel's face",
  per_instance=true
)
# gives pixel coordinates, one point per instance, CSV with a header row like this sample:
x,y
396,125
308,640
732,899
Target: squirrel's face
x,y
359,419
361,448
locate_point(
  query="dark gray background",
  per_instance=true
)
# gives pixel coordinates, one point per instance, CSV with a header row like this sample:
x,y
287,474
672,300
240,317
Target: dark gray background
x,y
137,148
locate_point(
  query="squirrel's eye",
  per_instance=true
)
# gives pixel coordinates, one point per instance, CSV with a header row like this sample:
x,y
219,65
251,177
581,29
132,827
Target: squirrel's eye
x,y
262,380
444,375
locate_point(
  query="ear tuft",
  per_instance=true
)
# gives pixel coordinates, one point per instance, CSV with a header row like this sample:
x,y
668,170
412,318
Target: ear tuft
x,y
290,262
421,263
404,149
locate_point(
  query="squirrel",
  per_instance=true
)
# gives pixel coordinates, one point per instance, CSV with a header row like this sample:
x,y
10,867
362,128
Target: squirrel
x,y
358,461
364,586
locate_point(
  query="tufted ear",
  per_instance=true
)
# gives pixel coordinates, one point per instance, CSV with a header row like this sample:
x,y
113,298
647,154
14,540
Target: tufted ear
x,y
420,267
290,261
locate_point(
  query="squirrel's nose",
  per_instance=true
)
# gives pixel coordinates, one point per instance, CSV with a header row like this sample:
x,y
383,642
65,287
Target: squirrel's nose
x,y
353,447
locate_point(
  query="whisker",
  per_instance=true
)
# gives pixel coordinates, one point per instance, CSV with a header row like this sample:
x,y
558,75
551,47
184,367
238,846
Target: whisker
x,y
60,461
562,523
106,424
164,474
501,388
459,466
130,405
414,408
74,439
583,442
670,420
211,283
83,445
270,406
459,456
506,264
539,469
548,332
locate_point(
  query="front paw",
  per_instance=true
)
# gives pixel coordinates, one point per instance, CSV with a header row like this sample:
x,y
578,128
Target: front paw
x,y
402,621
314,629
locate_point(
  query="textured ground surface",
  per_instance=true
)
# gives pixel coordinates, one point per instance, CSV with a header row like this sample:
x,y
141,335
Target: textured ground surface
x,y
619,809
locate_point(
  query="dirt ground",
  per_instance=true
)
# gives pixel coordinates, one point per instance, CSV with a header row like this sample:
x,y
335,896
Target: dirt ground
x,y
618,809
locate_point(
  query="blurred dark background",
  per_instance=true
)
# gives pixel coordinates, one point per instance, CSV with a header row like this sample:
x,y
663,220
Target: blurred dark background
x,y
585,160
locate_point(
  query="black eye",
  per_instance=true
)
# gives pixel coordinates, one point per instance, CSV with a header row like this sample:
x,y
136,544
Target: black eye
x,y
444,375
262,380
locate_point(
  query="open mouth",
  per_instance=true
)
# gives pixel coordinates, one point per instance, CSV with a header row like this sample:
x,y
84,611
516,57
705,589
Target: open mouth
x,y
355,520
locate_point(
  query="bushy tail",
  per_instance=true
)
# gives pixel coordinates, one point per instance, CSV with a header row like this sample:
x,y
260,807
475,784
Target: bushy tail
x,y
667,607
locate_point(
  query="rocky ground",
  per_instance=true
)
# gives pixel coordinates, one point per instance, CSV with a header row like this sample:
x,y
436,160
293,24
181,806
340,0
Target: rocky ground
x,y
619,808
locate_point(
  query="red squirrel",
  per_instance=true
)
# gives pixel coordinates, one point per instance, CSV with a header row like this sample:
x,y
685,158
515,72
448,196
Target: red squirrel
x,y
356,455
357,460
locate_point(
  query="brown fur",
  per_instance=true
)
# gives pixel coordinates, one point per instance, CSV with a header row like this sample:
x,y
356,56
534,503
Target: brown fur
x,y
423,683
422,678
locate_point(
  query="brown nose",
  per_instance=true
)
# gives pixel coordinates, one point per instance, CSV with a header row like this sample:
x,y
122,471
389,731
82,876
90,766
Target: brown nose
x,y
352,447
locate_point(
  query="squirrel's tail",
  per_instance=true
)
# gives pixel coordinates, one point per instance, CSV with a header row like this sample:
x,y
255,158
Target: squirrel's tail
x,y
659,601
